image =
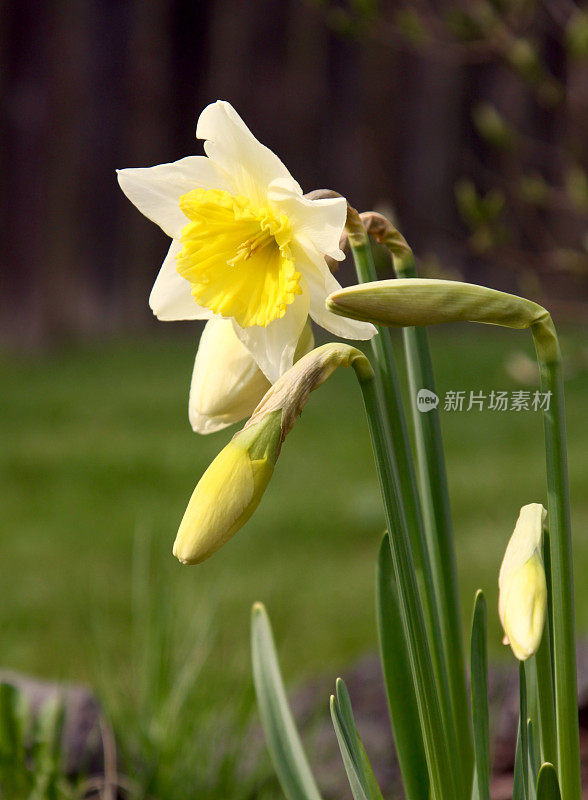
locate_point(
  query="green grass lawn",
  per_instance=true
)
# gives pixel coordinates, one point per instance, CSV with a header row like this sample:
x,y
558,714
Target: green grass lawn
x,y
97,454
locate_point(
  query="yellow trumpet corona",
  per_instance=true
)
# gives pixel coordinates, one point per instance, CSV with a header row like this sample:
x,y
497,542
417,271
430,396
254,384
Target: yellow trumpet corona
x,y
522,600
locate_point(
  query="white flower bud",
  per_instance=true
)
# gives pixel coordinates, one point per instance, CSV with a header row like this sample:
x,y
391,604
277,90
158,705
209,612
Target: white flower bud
x,y
522,599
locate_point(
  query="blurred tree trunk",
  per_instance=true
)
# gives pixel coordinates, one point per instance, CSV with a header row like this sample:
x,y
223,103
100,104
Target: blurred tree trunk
x,y
145,119
24,116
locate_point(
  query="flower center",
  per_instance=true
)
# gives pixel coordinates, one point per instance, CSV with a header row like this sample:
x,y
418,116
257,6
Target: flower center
x,y
237,257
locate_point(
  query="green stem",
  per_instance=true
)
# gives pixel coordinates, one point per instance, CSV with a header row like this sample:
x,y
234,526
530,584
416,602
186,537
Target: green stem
x,y
523,717
434,736
544,662
566,693
388,379
437,518
447,682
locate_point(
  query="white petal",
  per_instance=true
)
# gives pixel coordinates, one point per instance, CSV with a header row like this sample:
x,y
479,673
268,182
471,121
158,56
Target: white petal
x,y
230,144
525,539
226,383
171,297
273,347
321,282
321,221
156,190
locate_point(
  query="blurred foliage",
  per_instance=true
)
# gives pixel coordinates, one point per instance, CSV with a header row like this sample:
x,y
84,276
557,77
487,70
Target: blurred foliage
x,y
31,755
180,736
523,197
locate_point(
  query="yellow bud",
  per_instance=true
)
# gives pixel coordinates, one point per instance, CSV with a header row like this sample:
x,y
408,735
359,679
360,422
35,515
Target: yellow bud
x,y
522,599
231,488
229,491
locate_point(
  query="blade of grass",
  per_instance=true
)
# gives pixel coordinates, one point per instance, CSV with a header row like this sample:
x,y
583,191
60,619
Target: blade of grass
x,y
479,690
402,703
278,723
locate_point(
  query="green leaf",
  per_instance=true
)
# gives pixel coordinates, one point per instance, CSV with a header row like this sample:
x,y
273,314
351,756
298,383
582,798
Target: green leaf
x,y
547,784
402,703
354,781
479,689
359,772
278,723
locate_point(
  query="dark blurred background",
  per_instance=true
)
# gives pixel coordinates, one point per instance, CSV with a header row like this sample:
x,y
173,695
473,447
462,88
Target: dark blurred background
x,y
467,120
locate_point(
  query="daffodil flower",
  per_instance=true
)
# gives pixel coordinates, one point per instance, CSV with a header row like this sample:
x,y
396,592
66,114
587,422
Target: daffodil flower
x,y
247,246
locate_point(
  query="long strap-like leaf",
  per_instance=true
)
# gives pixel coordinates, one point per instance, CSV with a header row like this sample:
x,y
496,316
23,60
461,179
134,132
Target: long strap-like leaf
x,y
278,723
402,704
479,689
547,784
357,766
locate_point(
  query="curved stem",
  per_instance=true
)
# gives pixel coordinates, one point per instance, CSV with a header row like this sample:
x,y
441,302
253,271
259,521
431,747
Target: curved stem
x,y
565,679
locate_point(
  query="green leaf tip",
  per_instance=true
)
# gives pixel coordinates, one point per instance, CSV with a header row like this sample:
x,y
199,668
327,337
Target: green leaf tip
x,y
547,783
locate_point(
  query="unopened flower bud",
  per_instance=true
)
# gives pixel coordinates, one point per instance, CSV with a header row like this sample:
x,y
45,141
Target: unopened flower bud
x,y
424,301
229,491
231,488
522,599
